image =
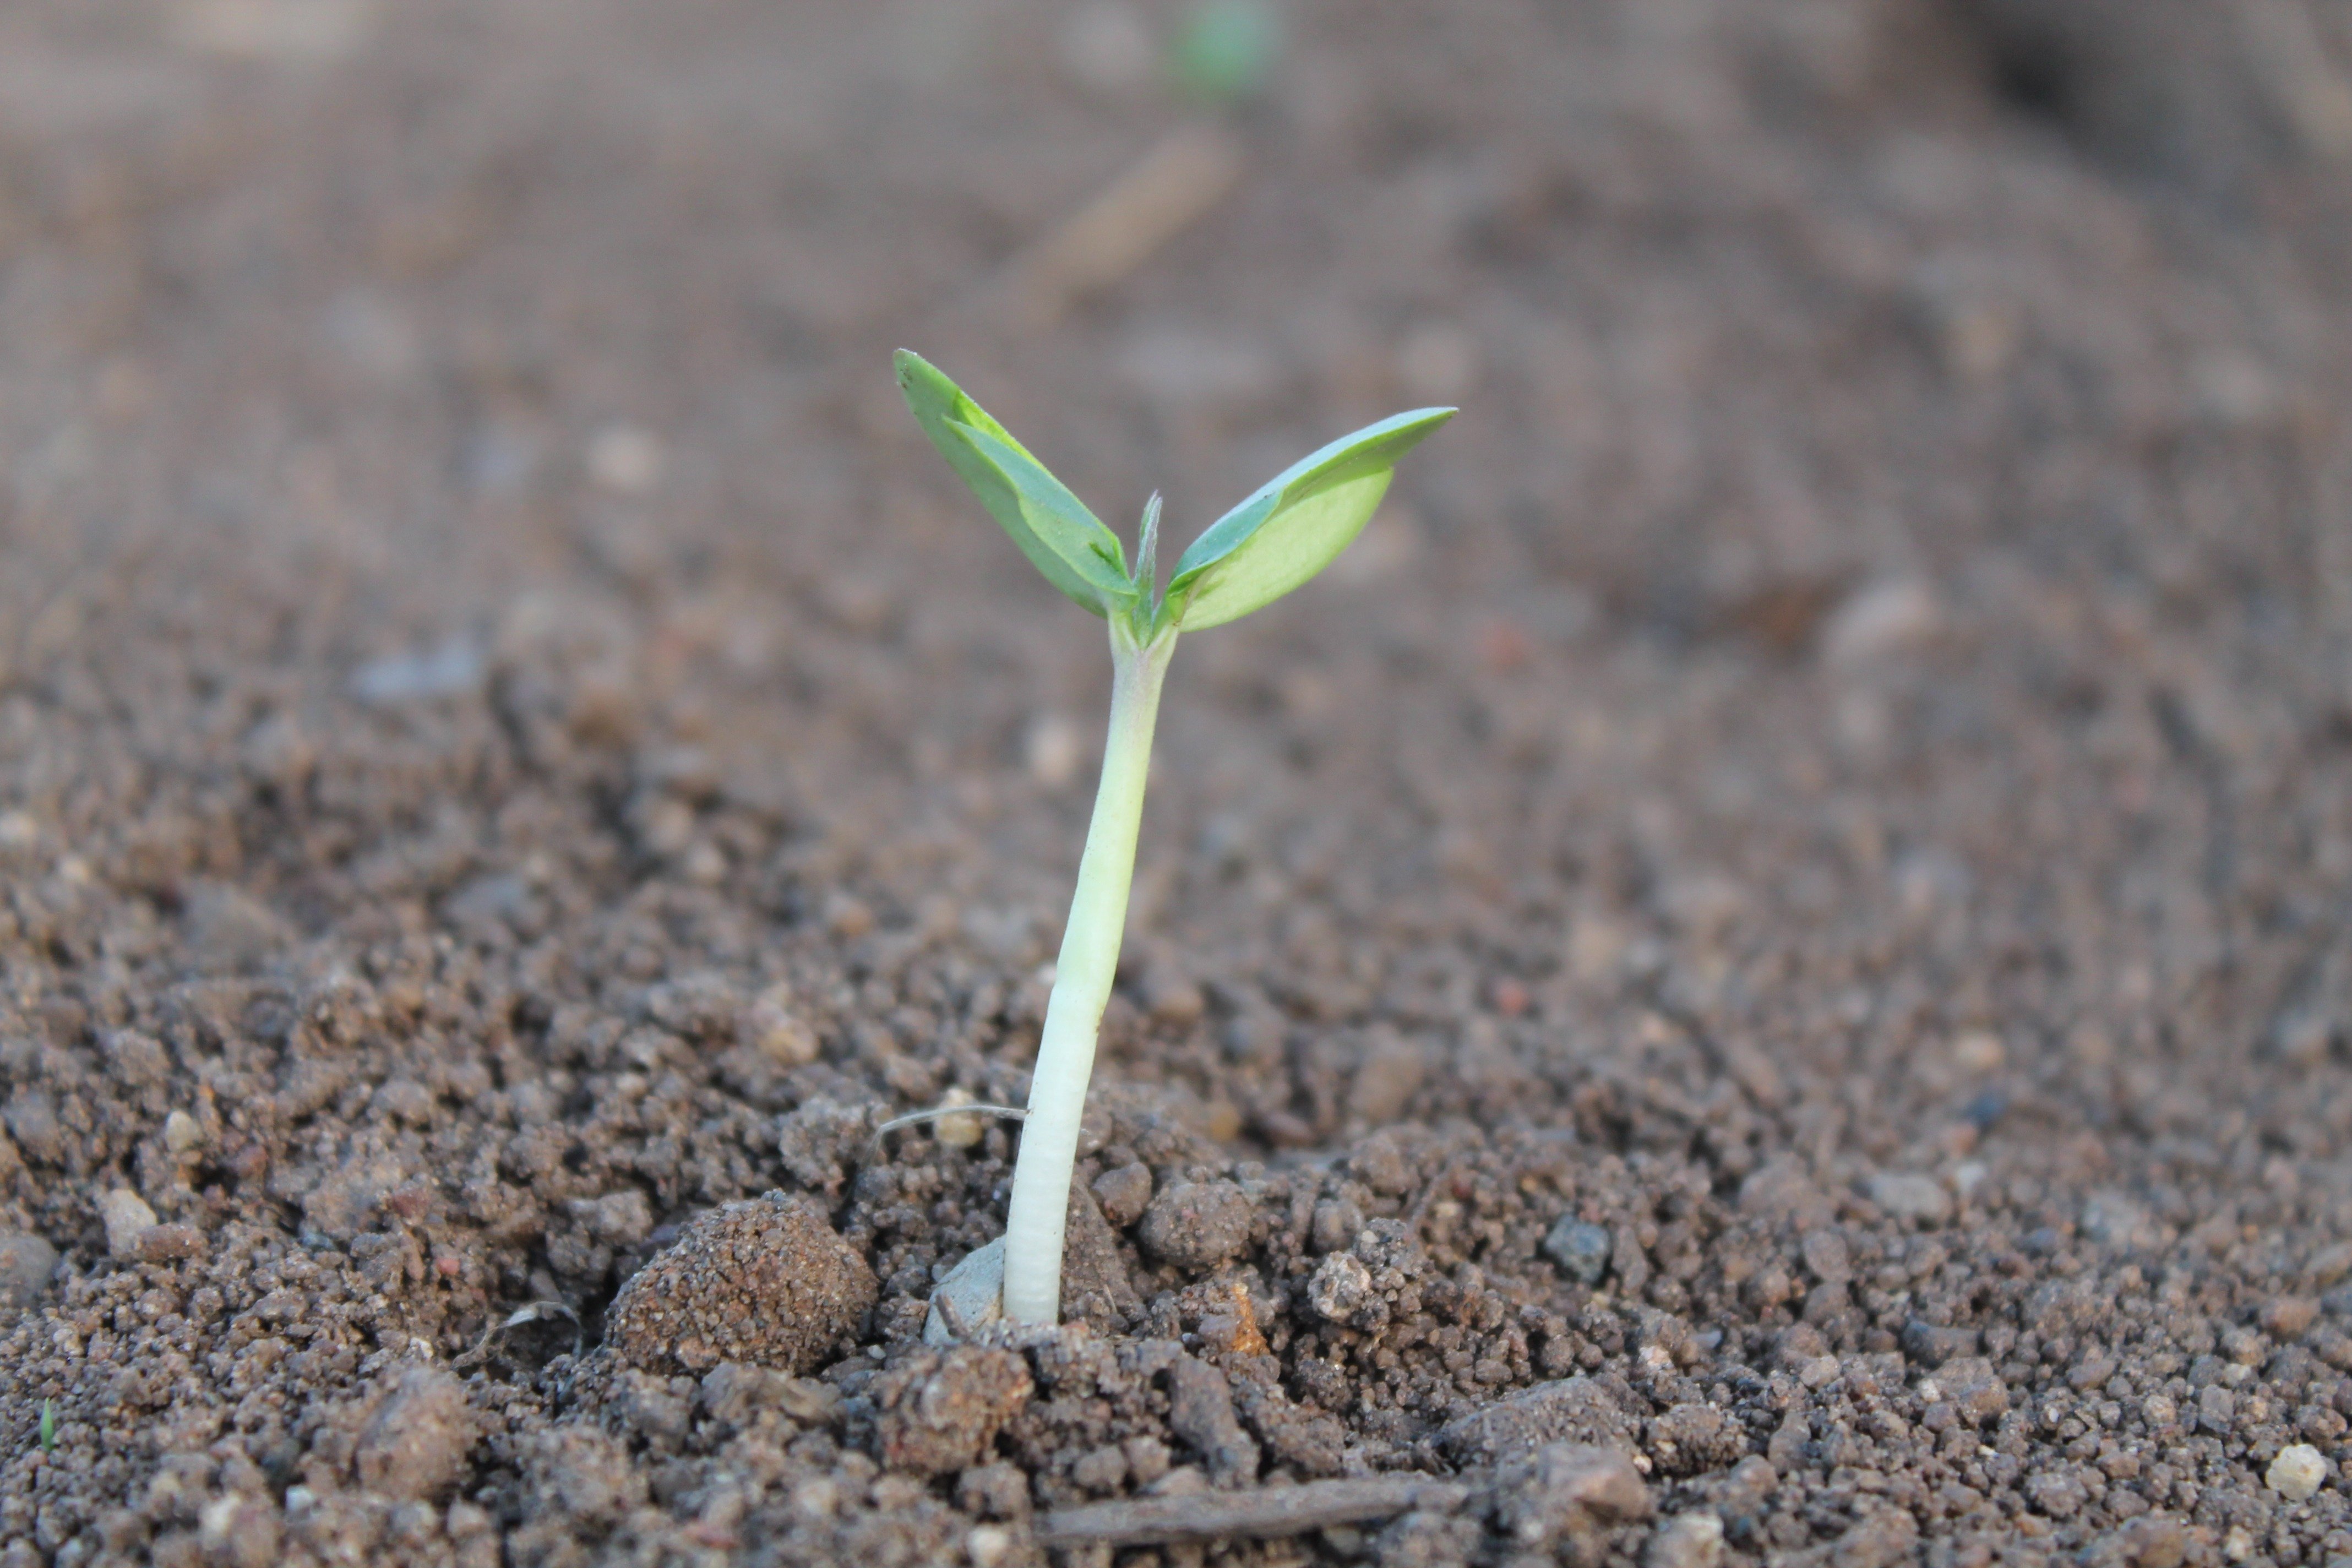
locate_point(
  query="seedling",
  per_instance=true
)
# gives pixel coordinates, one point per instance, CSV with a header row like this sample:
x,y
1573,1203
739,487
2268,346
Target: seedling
x,y
1289,529
48,1425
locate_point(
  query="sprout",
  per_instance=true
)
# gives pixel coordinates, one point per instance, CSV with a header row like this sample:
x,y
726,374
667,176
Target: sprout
x,y
1290,529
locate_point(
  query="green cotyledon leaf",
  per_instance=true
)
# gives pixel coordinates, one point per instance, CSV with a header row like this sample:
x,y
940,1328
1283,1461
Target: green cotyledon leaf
x,y
1067,544
1294,525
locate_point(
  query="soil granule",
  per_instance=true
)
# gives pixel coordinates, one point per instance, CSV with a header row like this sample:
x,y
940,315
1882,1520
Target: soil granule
x,y
764,1283
1760,972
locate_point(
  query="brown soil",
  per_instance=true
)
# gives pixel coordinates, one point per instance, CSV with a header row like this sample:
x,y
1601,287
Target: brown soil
x,y
1763,973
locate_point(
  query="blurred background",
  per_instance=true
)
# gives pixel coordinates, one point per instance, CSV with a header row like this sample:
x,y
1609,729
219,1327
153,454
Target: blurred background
x,y
1903,492
1750,301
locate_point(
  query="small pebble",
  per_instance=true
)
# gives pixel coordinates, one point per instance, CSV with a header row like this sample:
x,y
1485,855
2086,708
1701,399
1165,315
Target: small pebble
x,y
127,1218
1906,1197
1054,749
771,1026
25,1264
182,1132
1980,1051
959,1131
1581,1250
2297,1472
1688,1541
987,1545
1340,1288
1881,620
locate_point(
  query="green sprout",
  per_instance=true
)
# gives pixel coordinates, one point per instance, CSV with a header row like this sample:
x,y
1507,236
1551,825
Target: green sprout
x,y
48,1425
1287,531
1227,49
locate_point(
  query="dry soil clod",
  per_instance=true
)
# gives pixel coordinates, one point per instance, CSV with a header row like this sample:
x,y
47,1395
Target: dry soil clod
x,y
768,1282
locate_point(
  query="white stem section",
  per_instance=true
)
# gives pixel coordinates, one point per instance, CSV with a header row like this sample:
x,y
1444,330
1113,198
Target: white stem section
x,y
1082,982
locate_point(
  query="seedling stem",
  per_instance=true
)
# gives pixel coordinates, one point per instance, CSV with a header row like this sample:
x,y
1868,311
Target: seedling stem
x,y
1280,536
1082,984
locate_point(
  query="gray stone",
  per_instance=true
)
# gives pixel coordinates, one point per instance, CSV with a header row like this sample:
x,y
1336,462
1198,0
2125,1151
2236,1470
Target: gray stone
x,y
734,1395
25,1264
583,1473
971,1297
343,1202
1581,1250
620,1220
1911,1197
1931,1345
126,1217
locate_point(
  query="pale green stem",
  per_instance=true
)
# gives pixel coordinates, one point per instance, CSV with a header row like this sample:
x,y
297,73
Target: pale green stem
x,y
1082,982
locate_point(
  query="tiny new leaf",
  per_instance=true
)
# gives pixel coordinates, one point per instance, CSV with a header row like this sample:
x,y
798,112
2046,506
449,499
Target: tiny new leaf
x,y
1294,525
1067,543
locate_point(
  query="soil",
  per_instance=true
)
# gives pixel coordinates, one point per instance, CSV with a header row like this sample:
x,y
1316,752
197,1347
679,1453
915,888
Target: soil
x,y
1761,974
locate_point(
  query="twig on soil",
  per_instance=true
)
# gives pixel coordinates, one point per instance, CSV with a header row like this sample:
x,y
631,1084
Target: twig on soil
x,y
1219,1515
1007,1112
521,1317
1154,200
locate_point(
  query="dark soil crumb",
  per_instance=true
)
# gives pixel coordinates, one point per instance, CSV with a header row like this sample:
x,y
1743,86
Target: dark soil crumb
x,y
414,1445
767,1283
939,1411
1759,974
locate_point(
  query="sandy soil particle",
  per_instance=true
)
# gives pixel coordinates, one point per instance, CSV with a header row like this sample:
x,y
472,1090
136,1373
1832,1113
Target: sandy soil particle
x,y
767,1281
